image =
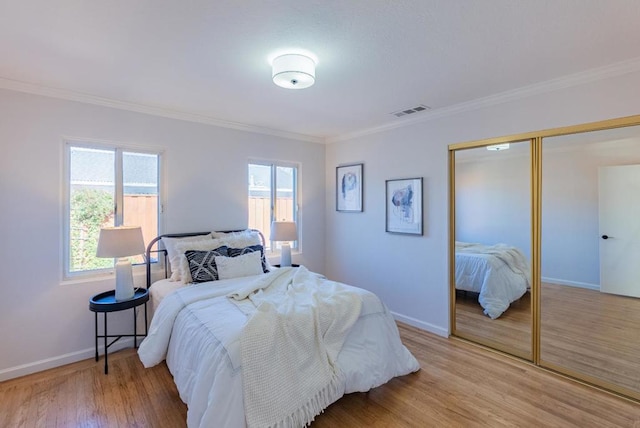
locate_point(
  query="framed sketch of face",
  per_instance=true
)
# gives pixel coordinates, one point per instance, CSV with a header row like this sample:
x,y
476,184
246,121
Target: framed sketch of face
x,y
403,199
349,180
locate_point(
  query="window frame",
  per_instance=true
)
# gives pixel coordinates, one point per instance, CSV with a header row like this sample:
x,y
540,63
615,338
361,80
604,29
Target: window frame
x,y
118,150
273,164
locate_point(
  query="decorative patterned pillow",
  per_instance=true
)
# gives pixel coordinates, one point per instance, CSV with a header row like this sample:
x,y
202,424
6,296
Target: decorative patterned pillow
x,y
202,264
235,252
204,245
235,267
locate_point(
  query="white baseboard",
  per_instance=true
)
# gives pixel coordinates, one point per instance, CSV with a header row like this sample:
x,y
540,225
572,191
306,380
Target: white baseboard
x,y
571,283
49,363
421,324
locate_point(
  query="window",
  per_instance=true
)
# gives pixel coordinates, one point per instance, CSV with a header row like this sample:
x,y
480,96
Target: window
x,y
273,189
106,186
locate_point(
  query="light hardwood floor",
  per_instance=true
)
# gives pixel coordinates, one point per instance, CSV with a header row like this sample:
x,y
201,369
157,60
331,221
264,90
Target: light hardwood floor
x,y
512,330
459,385
592,332
585,331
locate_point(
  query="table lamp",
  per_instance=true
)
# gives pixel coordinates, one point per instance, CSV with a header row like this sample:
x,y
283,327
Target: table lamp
x,y
121,242
284,231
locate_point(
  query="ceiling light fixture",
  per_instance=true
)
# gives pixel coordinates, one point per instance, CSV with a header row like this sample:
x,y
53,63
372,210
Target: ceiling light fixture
x,y
294,71
498,147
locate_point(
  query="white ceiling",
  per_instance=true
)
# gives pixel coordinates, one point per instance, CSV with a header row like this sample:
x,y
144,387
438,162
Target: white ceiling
x,y
208,60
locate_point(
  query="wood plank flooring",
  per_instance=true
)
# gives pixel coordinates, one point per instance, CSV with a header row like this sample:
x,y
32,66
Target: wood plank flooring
x,y
81,395
593,333
582,330
459,385
511,331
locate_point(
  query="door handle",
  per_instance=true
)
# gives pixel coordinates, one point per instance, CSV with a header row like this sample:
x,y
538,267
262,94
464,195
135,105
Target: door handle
x,y
605,236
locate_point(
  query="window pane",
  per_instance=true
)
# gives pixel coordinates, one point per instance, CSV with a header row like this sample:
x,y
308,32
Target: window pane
x,y
260,199
140,198
285,197
92,200
285,178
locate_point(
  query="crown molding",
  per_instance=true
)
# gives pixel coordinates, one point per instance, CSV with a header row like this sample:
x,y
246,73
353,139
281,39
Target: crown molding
x,y
577,79
31,88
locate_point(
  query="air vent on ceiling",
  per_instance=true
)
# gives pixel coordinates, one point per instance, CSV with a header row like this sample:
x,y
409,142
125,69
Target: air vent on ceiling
x,y
412,110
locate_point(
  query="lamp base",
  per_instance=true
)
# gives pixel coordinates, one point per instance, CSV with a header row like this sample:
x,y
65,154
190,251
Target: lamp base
x,y
124,280
285,255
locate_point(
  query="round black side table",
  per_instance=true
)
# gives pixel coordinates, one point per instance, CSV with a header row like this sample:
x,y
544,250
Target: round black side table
x,y
105,303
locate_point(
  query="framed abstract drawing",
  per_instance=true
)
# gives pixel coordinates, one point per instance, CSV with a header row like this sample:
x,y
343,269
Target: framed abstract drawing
x,y
349,188
403,199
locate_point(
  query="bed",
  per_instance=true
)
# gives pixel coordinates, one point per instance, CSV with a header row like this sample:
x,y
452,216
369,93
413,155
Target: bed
x,y
499,273
270,348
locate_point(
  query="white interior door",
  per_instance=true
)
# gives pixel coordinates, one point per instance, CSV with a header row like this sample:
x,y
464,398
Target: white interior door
x,y
619,211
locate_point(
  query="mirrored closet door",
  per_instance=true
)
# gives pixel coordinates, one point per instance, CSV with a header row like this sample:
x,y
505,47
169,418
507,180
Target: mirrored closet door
x,y
561,209
492,246
590,279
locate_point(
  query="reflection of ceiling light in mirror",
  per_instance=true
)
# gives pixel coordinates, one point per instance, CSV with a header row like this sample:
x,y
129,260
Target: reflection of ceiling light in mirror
x,y
497,147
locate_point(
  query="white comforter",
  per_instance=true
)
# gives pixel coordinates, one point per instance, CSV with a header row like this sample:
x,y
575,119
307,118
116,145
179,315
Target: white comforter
x,y
199,330
499,273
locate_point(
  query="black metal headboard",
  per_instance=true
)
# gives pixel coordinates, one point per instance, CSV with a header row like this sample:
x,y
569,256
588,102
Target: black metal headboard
x,y
147,254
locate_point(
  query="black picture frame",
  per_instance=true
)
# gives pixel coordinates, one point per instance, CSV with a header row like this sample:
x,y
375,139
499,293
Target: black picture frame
x,y
404,206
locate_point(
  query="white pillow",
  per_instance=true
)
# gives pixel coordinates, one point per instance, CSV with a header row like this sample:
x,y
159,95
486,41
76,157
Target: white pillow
x,y
244,238
236,267
174,257
183,264
218,235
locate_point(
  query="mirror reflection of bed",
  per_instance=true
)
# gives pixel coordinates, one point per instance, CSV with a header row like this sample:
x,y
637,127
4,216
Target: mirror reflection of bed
x,y
494,281
499,274
503,332
492,261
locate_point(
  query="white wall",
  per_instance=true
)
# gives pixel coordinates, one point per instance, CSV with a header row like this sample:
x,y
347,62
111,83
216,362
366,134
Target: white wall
x,y
493,198
570,223
411,273
44,323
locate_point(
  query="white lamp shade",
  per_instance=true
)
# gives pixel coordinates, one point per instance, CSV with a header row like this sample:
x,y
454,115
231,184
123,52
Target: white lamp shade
x,y
294,71
284,231
121,241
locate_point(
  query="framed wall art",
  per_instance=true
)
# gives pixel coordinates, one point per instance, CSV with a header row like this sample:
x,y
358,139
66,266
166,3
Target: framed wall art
x,y
349,180
403,199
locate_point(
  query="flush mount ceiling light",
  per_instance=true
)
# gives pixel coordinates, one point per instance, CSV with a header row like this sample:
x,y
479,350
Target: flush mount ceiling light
x,y
497,147
294,71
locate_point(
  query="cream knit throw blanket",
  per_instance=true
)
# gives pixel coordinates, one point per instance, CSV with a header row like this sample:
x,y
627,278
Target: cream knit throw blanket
x,y
290,344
